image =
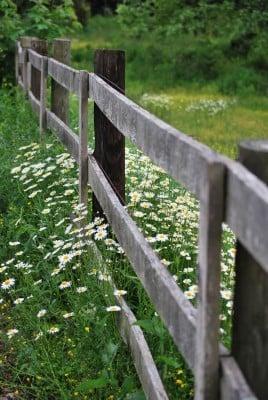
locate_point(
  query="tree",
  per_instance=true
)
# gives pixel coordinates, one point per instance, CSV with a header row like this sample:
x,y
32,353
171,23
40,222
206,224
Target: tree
x,y
102,6
82,10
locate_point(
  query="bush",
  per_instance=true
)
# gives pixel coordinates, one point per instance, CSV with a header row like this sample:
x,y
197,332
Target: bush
x,y
200,61
241,79
36,18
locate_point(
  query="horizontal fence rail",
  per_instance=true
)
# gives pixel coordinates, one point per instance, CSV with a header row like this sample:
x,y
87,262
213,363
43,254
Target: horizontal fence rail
x,y
35,59
64,133
227,191
64,75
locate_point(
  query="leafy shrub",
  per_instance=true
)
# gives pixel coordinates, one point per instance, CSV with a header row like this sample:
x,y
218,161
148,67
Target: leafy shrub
x,y
241,79
37,18
199,61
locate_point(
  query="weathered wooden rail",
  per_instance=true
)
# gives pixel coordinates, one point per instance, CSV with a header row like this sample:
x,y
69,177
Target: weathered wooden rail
x,y
227,191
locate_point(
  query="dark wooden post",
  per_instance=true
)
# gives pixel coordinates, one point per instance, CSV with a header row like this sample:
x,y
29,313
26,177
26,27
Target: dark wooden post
x,y
250,318
61,51
41,47
109,142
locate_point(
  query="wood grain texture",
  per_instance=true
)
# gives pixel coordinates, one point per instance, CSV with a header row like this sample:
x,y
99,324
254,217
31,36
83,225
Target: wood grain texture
x,y
109,142
64,133
181,156
246,210
233,385
20,53
26,41
209,271
35,59
250,317
34,102
64,75
143,360
43,97
39,46
61,51
83,141
25,70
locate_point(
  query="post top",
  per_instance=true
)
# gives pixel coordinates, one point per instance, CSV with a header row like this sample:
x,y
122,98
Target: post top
x,y
63,40
26,41
255,145
109,51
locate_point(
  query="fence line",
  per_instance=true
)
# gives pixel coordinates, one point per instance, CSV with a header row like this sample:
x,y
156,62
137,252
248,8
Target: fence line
x,y
227,191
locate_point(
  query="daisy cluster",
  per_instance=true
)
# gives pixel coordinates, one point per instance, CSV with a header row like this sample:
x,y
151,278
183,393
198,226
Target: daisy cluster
x,y
57,245
210,106
159,101
168,215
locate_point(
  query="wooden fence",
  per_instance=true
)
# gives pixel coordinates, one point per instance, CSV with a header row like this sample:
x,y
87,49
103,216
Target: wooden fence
x,y
227,191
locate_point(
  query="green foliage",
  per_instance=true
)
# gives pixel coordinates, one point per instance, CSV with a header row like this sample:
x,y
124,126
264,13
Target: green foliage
x,y
37,18
202,40
48,22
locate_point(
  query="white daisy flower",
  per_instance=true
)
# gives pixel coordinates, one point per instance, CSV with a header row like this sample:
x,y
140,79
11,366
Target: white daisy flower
x,y
19,300
53,330
119,293
8,283
12,332
14,243
41,313
68,315
113,308
81,289
65,285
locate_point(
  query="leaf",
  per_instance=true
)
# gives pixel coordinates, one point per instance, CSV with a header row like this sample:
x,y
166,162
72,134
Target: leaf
x,y
171,362
89,384
110,353
128,385
139,395
146,325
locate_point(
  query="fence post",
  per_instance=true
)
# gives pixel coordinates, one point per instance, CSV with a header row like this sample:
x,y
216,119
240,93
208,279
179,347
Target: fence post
x,y
250,316
61,51
41,47
109,142
209,271
43,97
83,131
25,44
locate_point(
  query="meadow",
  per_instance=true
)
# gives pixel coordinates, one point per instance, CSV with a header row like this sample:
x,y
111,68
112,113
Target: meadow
x,y
58,322
199,107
